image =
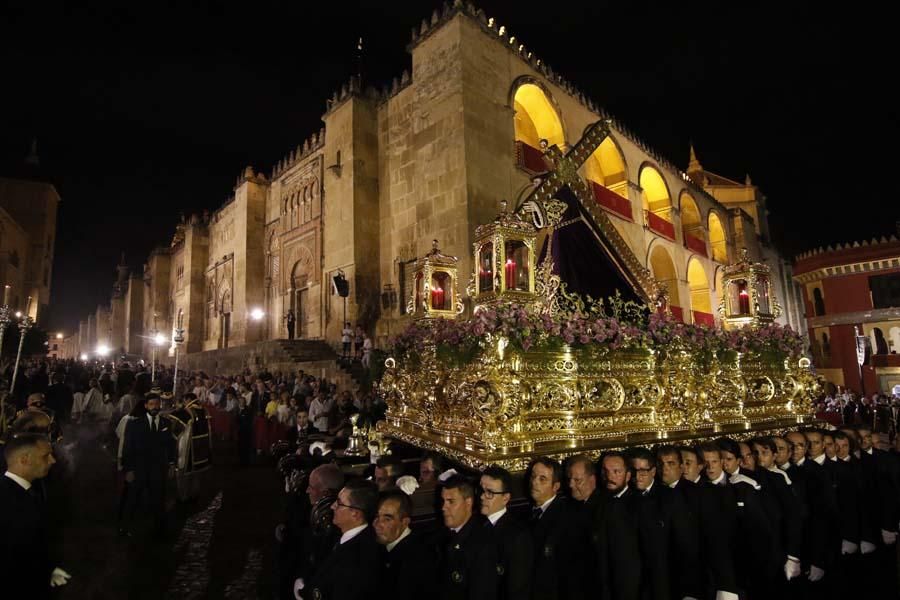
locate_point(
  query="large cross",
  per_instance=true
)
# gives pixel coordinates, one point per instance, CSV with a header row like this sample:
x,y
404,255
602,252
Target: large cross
x,y
547,211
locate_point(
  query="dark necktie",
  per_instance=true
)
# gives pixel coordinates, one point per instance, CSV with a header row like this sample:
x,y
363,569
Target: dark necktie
x,y
153,427
536,513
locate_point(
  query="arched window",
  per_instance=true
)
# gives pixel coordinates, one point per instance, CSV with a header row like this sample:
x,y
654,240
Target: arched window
x,y
607,178
717,241
692,225
818,302
701,302
664,270
656,202
536,119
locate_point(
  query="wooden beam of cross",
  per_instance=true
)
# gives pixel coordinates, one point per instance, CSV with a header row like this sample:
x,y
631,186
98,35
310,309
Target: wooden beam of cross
x,y
547,211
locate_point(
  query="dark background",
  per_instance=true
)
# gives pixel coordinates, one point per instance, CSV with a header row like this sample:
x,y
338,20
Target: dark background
x,y
142,115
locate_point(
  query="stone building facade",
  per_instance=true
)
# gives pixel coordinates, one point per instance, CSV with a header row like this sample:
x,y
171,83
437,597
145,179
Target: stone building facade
x,y
430,157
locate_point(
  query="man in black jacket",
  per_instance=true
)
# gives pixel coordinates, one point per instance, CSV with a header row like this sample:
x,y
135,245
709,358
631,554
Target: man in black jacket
x,y
407,565
618,573
654,503
24,549
468,566
350,571
515,553
148,458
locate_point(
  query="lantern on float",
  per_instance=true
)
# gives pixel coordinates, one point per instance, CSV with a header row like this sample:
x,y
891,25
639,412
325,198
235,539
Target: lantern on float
x,y
747,297
504,260
435,293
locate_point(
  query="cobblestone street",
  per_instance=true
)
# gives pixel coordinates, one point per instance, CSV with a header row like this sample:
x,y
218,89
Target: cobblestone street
x,y
219,546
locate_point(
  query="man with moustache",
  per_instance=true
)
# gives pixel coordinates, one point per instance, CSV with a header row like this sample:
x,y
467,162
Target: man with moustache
x,y
468,565
617,549
515,553
406,563
559,548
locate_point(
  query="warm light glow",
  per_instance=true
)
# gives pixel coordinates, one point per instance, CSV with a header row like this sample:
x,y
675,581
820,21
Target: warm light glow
x,y
536,117
257,314
654,193
102,349
84,357
717,240
699,283
664,270
18,314
606,167
690,215
59,336
160,339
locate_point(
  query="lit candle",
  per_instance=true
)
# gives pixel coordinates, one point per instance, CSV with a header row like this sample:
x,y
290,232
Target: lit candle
x,y
6,295
510,274
744,302
437,299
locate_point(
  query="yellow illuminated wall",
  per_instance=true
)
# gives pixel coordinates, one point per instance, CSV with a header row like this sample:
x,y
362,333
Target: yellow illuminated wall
x,y
699,284
606,167
654,193
664,270
717,239
536,117
690,215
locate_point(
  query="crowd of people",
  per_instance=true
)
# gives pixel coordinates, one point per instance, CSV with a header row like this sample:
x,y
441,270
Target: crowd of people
x,y
812,514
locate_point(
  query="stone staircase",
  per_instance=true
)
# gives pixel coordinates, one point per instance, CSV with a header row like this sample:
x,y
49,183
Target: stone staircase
x,y
304,350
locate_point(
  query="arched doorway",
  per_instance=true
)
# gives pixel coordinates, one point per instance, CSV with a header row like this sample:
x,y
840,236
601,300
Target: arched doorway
x,y
224,316
657,202
607,178
664,270
299,294
692,225
701,303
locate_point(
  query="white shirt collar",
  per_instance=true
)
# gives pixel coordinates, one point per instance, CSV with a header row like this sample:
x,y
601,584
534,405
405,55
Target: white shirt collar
x,y
785,466
697,479
619,495
674,484
649,487
801,461
494,517
546,504
820,459
22,482
352,533
390,546
846,458
869,451
718,480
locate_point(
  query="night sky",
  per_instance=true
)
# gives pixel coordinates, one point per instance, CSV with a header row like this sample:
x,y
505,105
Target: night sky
x,y
140,116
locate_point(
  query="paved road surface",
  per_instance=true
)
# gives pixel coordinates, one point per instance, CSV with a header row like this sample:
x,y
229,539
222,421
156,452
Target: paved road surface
x,y
220,546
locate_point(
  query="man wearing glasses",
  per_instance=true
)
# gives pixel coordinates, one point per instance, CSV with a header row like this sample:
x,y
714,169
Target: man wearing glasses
x,y
350,572
654,501
514,549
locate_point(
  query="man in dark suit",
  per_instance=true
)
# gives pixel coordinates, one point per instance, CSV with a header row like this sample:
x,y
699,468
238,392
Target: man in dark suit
x,y
407,565
350,571
148,458
24,549
654,503
559,547
468,564
515,553
618,572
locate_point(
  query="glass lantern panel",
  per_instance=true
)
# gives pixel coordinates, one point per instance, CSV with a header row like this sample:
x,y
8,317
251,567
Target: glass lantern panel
x,y
762,288
738,298
516,266
486,268
419,306
441,291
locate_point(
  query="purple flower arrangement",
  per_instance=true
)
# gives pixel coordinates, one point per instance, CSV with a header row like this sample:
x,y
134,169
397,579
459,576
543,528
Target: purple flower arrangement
x,y
460,341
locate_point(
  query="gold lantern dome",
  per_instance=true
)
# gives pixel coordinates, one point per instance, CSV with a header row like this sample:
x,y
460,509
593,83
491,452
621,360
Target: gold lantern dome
x,y
504,260
435,293
748,297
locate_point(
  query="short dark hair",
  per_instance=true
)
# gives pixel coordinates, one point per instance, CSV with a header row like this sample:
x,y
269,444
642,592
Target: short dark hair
x,y
393,465
730,446
711,447
669,450
331,476
363,495
765,442
436,460
613,454
461,483
22,441
551,464
501,475
584,460
641,453
404,503
692,450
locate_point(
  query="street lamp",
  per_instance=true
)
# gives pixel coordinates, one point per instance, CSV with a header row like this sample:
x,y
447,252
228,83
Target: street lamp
x,y
84,357
159,340
59,336
257,314
102,350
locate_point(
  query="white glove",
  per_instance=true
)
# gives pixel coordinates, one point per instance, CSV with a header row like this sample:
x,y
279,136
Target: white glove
x,y
298,587
848,547
446,475
869,547
407,484
723,595
815,573
59,577
791,568
888,537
